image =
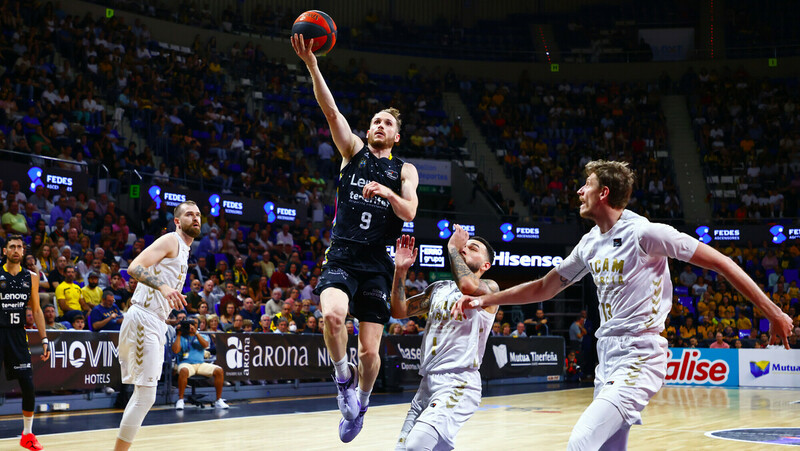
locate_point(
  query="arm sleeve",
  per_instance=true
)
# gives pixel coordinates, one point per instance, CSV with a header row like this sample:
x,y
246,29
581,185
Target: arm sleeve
x,y
60,291
661,240
573,267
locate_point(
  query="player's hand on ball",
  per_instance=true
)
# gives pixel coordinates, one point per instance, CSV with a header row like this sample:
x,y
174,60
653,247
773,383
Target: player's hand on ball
x,y
405,254
373,189
459,238
779,330
174,297
463,304
303,49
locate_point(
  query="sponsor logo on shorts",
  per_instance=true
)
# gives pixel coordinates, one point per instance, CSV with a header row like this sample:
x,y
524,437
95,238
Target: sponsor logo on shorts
x,y
338,272
375,293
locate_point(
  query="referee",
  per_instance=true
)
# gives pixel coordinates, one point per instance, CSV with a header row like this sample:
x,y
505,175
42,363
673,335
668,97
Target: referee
x,y
19,288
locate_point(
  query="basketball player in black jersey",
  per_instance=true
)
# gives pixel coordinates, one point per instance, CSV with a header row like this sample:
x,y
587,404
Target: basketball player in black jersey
x,y
377,192
19,288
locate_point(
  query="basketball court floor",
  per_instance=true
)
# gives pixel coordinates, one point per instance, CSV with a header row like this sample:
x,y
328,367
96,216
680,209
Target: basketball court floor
x,y
537,417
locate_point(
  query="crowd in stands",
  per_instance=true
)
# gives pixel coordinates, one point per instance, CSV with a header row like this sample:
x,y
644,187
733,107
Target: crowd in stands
x,y
708,312
545,133
70,83
749,137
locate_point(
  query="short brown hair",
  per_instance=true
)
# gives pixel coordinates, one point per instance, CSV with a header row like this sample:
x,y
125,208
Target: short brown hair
x,y
395,113
617,176
180,206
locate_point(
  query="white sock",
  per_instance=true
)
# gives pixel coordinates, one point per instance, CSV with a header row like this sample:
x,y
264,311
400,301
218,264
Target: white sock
x,y
342,369
363,397
27,424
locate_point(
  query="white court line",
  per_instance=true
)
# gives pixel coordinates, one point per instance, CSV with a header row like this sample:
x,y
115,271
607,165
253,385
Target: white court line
x,y
708,434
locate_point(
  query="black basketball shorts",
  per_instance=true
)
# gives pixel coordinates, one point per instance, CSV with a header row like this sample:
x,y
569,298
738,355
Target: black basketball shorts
x,y
14,352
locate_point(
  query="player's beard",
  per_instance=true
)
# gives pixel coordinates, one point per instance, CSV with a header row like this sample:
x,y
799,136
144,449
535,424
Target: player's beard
x,y
382,144
13,259
473,267
190,230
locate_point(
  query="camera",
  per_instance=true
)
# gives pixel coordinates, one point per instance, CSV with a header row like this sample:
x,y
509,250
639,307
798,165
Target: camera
x,y
186,327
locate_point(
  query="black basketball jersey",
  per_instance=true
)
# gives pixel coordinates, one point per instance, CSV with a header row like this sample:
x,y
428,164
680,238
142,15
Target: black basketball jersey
x,y
367,221
15,291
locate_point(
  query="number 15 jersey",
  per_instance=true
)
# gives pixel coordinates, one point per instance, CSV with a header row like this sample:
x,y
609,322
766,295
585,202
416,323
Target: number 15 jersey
x,y
629,266
367,221
15,291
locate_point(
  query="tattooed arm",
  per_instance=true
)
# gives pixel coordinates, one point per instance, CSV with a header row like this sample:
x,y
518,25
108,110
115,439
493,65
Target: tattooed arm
x,y
141,269
527,293
413,306
468,282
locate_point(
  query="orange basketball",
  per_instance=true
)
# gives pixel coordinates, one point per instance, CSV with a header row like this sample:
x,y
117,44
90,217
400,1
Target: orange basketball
x,y
318,26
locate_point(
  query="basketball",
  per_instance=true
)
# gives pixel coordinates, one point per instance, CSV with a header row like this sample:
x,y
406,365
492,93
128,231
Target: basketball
x,y
318,26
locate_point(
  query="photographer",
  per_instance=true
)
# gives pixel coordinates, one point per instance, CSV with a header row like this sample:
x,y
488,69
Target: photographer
x,y
572,369
190,347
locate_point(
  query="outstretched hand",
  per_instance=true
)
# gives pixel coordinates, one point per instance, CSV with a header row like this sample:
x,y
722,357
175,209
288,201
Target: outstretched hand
x,y
303,49
463,304
405,254
779,330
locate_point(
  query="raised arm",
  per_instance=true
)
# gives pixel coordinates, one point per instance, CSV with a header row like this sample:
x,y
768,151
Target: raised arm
x,y
347,143
780,324
141,269
404,257
468,282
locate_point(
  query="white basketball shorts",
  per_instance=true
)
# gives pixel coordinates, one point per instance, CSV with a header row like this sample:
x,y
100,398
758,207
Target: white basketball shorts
x,y
631,370
445,401
141,347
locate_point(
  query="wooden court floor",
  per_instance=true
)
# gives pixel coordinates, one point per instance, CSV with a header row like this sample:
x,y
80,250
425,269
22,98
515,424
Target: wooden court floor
x,y
676,419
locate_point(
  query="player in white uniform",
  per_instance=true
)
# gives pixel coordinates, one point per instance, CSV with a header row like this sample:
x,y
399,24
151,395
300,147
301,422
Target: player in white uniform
x,y
452,347
161,272
627,257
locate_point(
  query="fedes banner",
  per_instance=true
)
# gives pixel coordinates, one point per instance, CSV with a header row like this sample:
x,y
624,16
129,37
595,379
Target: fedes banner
x,y
31,176
79,360
234,207
769,367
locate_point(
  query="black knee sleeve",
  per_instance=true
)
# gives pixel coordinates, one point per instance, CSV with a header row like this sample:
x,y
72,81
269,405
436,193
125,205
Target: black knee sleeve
x,y
28,395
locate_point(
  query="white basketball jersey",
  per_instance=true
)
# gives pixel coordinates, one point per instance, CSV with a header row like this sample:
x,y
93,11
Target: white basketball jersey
x,y
453,345
173,272
629,266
